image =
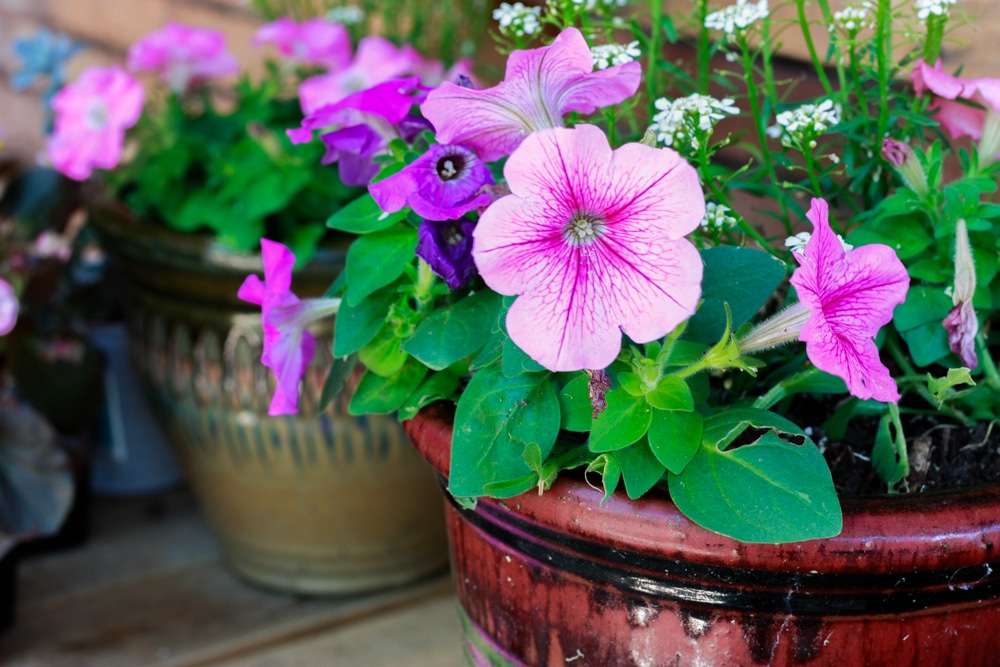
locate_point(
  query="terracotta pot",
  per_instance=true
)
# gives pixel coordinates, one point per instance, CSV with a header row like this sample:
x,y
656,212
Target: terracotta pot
x,y
561,579
315,503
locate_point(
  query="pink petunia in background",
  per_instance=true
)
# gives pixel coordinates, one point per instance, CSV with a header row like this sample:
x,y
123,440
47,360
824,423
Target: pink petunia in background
x,y
8,307
592,241
849,296
182,55
376,61
91,116
540,86
288,346
313,42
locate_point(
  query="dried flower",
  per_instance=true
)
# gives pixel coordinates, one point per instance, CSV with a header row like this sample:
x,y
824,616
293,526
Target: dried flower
x,y
961,322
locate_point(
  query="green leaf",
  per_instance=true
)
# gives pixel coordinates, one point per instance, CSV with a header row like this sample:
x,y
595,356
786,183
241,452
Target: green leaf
x,y
363,216
439,386
724,427
923,304
497,417
384,354
743,278
574,404
339,372
941,388
640,469
455,332
904,234
766,492
813,381
381,395
376,260
355,326
671,393
624,421
927,343
674,437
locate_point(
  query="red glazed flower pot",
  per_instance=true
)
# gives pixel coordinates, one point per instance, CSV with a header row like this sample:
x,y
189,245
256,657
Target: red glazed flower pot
x,y
562,579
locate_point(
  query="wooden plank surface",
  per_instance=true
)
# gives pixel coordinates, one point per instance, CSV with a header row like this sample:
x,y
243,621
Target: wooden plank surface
x,y
149,588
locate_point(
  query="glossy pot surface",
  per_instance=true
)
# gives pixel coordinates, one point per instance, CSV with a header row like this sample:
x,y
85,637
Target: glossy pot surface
x,y
563,579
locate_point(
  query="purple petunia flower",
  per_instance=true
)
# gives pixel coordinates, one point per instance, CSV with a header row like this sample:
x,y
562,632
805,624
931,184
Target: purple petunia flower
x,y
540,86
849,296
442,184
592,241
288,347
446,246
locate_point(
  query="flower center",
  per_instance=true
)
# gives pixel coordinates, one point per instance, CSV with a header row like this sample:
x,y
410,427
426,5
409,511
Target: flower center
x,y
583,228
453,235
450,167
97,116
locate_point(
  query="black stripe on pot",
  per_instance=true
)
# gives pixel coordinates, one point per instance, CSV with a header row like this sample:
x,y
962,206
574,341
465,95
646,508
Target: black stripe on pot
x,y
731,588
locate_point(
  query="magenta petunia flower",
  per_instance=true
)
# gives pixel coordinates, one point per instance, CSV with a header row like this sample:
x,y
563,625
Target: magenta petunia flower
x,y
91,116
182,55
8,307
377,60
442,184
288,347
592,241
313,42
849,296
960,119
540,86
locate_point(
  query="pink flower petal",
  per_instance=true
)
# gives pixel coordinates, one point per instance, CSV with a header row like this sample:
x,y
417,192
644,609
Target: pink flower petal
x,y
182,55
313,42
638,274
962,326
540,86
960,119
9,307
377,60
850,296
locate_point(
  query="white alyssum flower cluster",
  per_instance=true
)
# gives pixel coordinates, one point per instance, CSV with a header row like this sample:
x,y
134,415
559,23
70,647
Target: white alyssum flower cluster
x,y
718,217
606,55
803,125
926,8
687,120
853,18
518,20
797,243
735,19
346,15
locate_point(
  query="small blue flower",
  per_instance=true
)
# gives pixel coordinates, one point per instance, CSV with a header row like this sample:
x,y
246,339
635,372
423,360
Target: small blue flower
x,y
43,56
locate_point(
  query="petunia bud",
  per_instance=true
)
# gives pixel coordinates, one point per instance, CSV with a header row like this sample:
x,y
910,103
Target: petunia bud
x,y
906,164
599,383
961,322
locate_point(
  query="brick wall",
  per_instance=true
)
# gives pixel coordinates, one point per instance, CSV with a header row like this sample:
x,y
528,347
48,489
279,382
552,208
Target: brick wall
x,y
107,28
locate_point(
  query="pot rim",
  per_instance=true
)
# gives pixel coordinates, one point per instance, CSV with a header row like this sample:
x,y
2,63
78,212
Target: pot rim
x,y
910,533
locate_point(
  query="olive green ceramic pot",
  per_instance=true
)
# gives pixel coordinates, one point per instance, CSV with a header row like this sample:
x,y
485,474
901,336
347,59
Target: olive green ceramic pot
x,y
319,502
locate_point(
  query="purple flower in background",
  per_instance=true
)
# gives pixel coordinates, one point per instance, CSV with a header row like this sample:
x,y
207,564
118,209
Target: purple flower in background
x,y
8,307
313,42
849,296
354,148
288,347
446,246
91,116
540,86
377,60
442,184
182,55
592,241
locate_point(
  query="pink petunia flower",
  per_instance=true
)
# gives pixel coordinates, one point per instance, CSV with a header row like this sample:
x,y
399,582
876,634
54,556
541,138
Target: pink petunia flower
x,y
313,42
182,55
981,123
288,347
91,116
8,307
442,184
377,60
592,241
540,86
849,296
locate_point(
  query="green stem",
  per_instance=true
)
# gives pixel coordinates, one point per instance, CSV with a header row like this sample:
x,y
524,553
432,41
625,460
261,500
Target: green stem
x,y
759,123
425,283
813,177
883,53
652,78
824,7
986,361
901,450
767,56
935,35
704,47
800,6
859,93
